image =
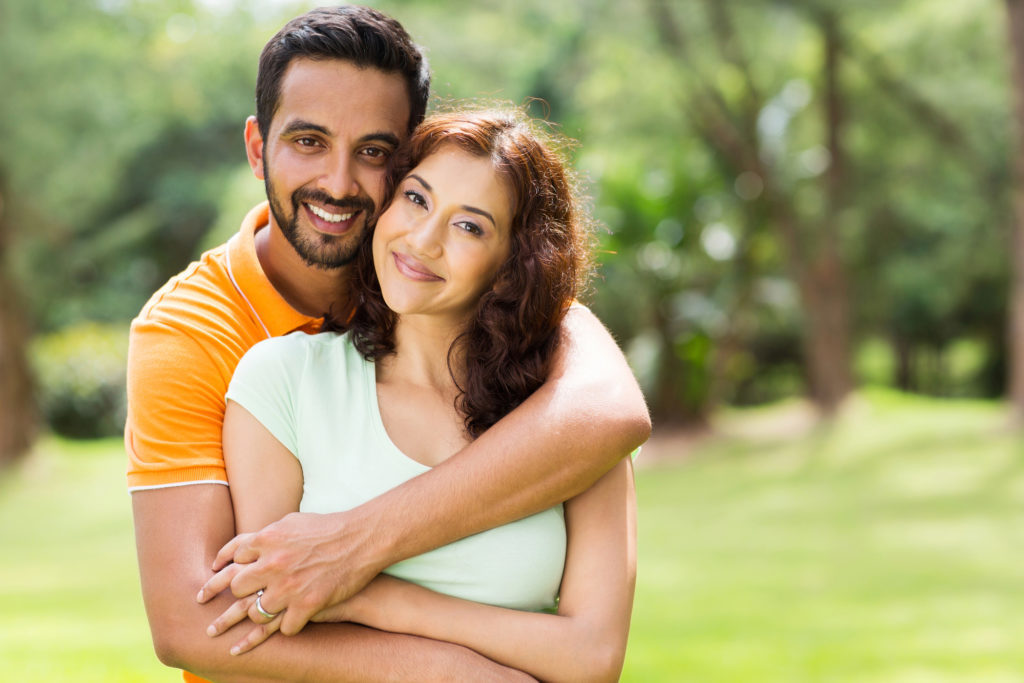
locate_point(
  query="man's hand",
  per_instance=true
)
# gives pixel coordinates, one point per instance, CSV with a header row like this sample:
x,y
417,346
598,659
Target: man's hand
x,y
303,563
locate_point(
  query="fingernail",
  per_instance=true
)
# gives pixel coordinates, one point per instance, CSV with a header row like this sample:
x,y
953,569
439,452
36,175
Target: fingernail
x,y
235,650
211,630
200,595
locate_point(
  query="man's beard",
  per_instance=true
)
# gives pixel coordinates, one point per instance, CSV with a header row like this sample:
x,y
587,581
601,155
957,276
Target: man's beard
x,y
325,252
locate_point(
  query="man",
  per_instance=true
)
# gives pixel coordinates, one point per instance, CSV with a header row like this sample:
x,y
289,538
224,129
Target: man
x,y
336,92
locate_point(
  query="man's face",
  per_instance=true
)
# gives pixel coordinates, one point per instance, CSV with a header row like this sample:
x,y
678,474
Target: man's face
x,y
326,152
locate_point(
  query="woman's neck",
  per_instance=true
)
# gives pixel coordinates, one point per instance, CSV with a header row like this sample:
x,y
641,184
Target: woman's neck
x,y
421,355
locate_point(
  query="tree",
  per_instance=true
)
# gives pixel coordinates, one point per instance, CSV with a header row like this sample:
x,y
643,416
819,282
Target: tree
x,y
729,126
1015,25
17,408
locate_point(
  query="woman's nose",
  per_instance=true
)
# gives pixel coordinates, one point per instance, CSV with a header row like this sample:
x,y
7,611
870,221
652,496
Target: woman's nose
x,y
426,236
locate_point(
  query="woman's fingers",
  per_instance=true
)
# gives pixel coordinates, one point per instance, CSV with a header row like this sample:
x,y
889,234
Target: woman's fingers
x,y
238,611
257,635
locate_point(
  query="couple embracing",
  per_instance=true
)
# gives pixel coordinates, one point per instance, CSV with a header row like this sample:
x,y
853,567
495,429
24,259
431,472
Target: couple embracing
x,y
424,434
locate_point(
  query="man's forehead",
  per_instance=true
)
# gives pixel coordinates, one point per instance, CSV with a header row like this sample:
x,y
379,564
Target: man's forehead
x,y
336,97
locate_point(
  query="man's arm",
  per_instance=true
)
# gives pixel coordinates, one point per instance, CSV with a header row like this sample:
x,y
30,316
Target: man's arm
x,y
584,419
178,531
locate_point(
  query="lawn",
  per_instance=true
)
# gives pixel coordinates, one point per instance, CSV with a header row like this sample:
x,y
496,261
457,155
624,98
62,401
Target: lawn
x,y
880,548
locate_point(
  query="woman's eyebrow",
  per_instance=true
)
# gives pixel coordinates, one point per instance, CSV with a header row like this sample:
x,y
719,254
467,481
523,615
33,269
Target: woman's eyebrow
x,y
422,182
466,207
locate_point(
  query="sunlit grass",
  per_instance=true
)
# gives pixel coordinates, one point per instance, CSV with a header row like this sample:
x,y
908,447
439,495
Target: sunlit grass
x,y
880,548
70,605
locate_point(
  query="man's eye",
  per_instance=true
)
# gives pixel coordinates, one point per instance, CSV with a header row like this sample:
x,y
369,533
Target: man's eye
x,y
376,155
307,142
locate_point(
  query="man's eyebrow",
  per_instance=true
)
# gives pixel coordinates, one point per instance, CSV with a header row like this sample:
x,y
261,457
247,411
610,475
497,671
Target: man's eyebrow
x,y
299,125
381,136
465,207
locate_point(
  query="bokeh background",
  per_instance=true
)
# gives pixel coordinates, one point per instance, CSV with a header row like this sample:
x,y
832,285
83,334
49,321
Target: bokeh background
x,y
810,252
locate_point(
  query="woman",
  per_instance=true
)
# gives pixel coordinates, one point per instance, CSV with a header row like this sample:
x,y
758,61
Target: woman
x,y
464,284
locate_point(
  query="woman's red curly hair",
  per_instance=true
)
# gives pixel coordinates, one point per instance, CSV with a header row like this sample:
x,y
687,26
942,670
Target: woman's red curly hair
x,y
507,348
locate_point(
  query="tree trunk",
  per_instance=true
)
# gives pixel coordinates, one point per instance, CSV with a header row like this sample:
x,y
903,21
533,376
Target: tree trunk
x,y
827,303
1015,341
669,405
17,407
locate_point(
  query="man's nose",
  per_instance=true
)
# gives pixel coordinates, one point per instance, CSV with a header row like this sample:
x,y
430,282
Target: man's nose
x,y
338,179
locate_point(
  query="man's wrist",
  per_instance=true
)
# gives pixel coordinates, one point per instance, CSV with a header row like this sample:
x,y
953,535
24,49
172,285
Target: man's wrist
x,y
376,546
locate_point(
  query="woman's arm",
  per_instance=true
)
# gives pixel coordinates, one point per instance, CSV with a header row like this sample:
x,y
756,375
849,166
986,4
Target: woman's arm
x,y
585,641
266,479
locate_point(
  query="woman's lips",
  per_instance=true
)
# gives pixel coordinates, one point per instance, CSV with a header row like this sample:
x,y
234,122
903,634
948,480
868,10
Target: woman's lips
x,y
413,269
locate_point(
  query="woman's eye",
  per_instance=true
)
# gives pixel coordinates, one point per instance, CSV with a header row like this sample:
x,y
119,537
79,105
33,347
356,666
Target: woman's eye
x,y
470,227
415,197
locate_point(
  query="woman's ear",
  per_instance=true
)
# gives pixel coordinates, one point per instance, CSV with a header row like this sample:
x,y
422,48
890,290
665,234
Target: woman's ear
x,y
254,147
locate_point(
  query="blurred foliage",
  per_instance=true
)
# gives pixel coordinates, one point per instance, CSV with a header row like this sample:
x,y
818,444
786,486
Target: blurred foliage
x,y
81,375
121,125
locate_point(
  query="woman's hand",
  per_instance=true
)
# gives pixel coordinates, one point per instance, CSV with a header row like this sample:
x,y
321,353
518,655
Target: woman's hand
x,y
238,612
370,606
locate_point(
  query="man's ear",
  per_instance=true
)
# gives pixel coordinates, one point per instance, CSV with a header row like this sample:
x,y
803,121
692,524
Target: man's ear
x,y
254,146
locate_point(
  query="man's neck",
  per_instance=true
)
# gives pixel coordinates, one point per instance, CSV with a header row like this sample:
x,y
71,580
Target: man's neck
x,y
309,290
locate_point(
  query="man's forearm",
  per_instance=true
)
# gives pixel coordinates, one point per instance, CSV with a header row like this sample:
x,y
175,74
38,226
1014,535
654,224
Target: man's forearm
x,y
552,447
345,652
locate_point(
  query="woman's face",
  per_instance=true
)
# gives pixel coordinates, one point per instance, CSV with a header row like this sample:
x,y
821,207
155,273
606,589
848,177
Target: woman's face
x,y
447,232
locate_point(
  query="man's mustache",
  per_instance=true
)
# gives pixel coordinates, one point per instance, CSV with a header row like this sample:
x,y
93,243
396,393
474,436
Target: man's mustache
x,y
344,204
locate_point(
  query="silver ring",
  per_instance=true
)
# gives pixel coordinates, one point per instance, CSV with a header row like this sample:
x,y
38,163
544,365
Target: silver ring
x,y
259,606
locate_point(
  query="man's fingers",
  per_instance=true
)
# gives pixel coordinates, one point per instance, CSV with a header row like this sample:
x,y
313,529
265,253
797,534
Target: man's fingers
x,y
256,636
238,611
226,555
217,583
260,608
294,618
240,550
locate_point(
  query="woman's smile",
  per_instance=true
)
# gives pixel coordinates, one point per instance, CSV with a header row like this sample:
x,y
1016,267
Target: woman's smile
x,y
414,269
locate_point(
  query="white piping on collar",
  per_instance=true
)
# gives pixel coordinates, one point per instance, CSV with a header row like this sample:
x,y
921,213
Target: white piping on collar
x,y
231,275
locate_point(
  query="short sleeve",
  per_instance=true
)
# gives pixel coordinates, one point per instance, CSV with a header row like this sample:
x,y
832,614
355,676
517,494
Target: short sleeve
x,y
266,384
175,409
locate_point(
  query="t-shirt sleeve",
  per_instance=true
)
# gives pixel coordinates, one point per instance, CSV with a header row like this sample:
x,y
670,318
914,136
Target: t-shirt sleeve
x,y
266,382
175,409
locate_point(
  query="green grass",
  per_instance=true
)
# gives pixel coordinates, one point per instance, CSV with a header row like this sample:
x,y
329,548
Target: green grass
x,y
70,604
881,548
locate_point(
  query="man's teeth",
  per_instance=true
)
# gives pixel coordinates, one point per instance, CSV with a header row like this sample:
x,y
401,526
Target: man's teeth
x,y
329,217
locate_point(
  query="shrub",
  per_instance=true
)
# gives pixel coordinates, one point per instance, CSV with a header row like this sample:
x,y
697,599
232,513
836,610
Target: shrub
x,y
80,375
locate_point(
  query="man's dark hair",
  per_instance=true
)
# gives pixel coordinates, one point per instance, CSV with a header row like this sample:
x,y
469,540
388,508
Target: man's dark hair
x,y
361,35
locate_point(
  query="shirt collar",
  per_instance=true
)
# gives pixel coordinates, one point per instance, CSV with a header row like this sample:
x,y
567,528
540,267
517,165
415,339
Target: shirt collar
x,y
277,316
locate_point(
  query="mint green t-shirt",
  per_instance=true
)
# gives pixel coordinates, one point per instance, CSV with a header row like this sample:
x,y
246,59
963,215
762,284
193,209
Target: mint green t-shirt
x,y
317,395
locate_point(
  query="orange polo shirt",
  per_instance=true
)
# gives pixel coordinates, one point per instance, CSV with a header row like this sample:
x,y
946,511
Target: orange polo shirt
x,y
183,349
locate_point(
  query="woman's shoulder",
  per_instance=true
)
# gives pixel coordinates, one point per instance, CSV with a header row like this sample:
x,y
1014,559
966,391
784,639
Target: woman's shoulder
x,y
301,342
300,359
312,351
